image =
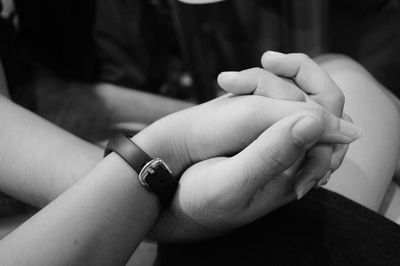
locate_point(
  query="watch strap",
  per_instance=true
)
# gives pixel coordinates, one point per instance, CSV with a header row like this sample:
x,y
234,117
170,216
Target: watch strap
x,y
129,151
154,174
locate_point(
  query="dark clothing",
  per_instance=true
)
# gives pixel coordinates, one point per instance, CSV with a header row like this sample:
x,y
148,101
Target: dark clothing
x,y
58,34
323,228
134,43
121,42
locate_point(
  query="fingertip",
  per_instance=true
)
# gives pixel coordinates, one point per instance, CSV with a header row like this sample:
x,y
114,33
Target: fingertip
x,y
323,181
228,80
274,54
270,55
303,190
350,130
227,74
337,130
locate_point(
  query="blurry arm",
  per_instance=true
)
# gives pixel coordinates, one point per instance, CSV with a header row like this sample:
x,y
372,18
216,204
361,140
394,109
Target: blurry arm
x,y
129,104
99,108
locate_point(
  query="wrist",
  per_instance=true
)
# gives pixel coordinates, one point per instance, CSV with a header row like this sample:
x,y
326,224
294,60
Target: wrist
x,y
152,173
125,174
161,144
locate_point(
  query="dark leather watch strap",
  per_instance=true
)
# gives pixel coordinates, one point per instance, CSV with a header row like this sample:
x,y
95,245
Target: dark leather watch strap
x,y
159,180
129,151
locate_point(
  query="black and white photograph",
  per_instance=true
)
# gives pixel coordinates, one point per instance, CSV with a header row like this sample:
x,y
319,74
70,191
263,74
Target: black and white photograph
x,y
200,132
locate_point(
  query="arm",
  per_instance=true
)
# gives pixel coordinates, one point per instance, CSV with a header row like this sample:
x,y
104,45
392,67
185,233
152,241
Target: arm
x,y
39,160
60,159
98,221
102,218
55,159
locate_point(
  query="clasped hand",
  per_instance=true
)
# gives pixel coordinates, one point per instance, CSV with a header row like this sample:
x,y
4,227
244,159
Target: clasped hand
x,y
240,157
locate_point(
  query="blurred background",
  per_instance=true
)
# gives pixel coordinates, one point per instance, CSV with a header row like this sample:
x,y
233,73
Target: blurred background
x,y
176,48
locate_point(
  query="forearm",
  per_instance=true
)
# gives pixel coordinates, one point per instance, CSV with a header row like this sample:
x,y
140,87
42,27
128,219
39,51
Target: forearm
x,y
39,161
98,221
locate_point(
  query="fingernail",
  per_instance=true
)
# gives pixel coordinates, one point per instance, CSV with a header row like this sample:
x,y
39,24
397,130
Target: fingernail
x,y
349,130
227,74
302,191
307,129
275,54
325,179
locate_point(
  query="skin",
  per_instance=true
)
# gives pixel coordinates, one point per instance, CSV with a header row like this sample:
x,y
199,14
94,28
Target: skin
x,y
293,84
70,229
369,105
382,150
371,162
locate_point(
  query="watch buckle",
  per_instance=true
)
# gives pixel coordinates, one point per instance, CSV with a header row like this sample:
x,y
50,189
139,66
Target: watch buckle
x,y
149,168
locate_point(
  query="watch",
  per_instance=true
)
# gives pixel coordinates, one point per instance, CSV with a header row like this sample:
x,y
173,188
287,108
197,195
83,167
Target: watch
x,y
154,174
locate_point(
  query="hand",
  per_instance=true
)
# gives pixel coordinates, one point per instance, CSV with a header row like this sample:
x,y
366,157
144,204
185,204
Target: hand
x,y
222,193
225,126
316,87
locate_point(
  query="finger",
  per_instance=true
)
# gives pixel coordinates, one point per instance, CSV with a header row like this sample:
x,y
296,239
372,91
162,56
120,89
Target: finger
x,y
336,130
274,151
246,117
259,82
317,171
339,150
314,170
315,81
309,76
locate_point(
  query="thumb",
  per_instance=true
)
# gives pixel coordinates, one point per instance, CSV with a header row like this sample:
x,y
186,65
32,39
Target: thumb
x,y
274,151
